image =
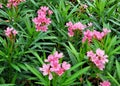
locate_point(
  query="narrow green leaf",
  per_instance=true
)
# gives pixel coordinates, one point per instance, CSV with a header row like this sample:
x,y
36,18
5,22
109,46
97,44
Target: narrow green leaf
x,y
88,83
115,22
76,66
37,73
35,4
74,76
7,84
1,69
113,79
72,11
118,69
2,53
15,67
37,56
73,50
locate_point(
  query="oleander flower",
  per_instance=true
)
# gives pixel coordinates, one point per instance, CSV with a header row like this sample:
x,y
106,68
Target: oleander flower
x,y
99,58
105,83
65,65
53,65
97,35
89,35
46,70
14,3
72,27
42,21
9,32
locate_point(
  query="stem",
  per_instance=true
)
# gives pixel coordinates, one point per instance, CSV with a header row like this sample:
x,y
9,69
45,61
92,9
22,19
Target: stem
x,y
11,45
11,49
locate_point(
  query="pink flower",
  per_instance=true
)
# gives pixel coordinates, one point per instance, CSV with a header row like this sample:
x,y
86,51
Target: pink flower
x,y
14,3
50,76
55,57
79,26
10,31
65,65
100,52
60,71
46,70
72,27
54,66
41,28
50,12
99,63
0,5
14,32
69,24
105,83
44,8
87,36
99,59
103,57
51,58
42,21
106,31
58,55
91,55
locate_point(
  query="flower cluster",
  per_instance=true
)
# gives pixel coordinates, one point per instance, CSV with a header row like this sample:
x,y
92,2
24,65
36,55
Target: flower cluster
x,y
72,27
14,3
9,32
42,22
105,83
88,35
54,65
99,59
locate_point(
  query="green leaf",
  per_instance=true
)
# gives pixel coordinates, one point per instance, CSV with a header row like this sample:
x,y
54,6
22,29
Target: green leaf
x,y
73,50
3,14
2,53
37,56
34,3
118,69
37,74
1,69
74,76
7,84
22,66
117,83
72,11
76,66
115,22
110,11
72,57
15,67
88,83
